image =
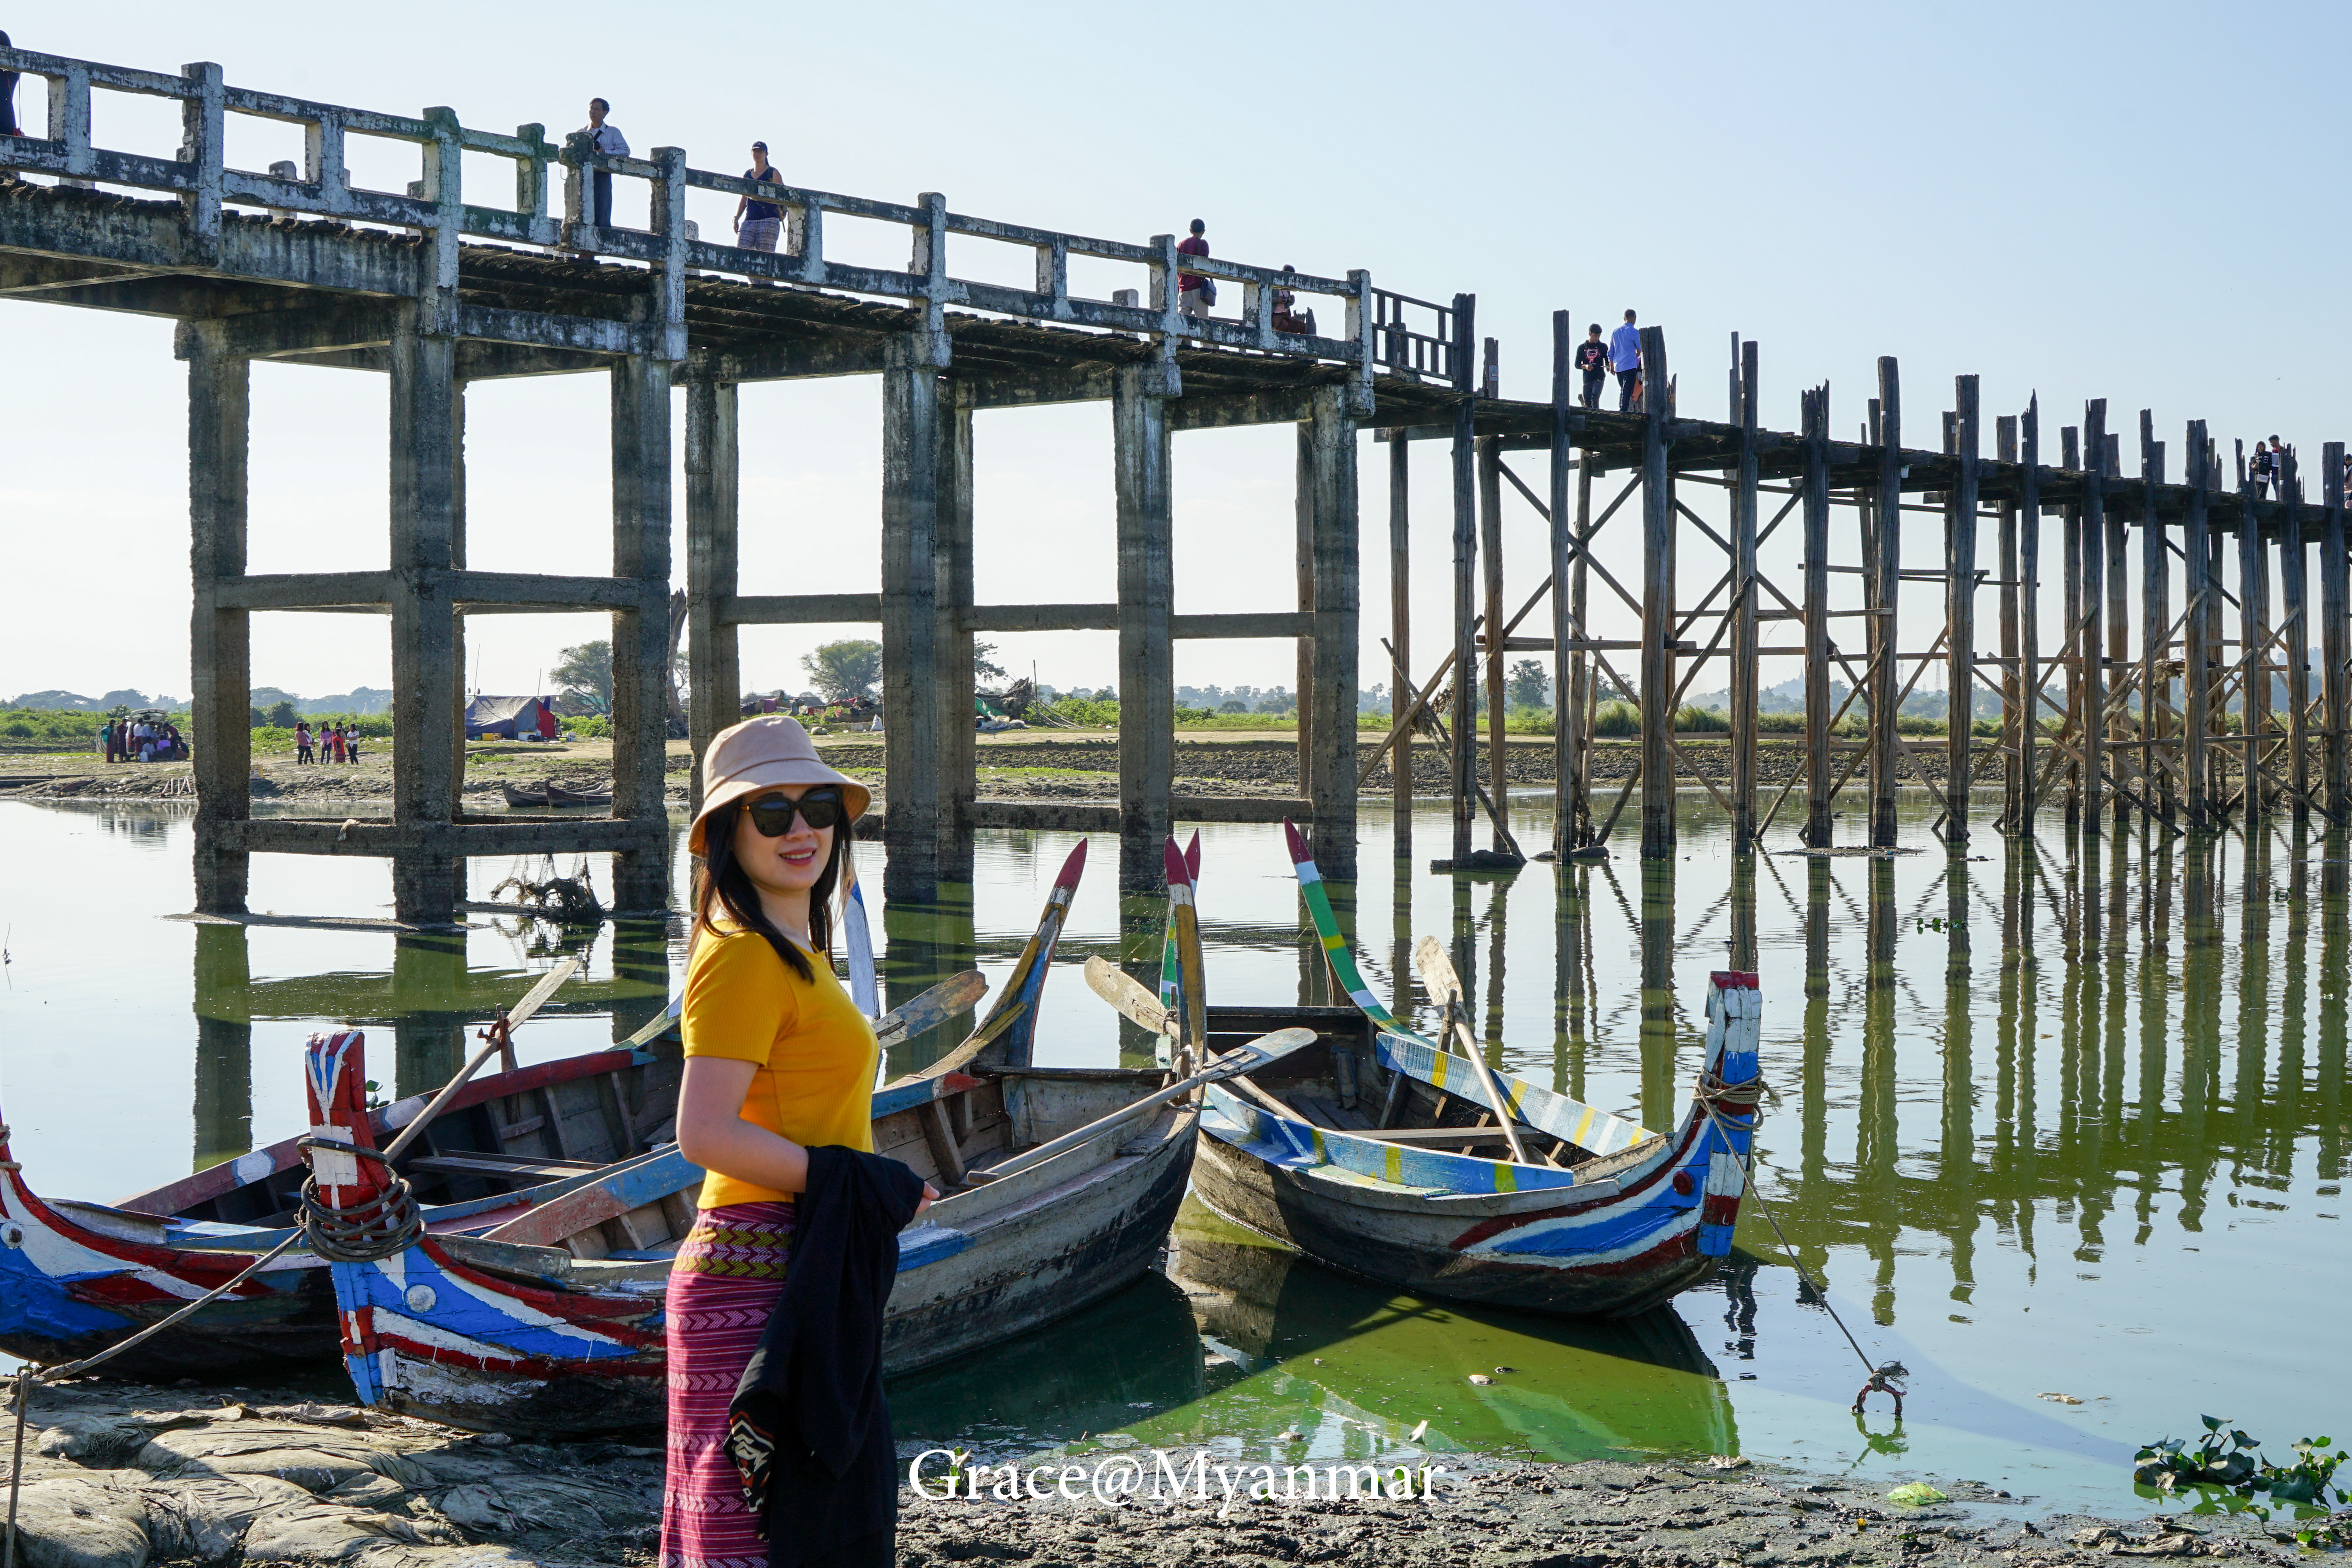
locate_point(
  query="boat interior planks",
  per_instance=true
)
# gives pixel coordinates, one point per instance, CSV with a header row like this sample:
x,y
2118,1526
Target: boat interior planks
x,y
1370,1151
77,1276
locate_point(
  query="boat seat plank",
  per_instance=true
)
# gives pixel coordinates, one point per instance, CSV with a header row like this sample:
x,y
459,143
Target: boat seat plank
x,y
510,1166
1438,1137
1311,1108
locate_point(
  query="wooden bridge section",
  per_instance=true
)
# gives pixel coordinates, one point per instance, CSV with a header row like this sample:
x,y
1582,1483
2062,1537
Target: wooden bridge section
x,y
438,286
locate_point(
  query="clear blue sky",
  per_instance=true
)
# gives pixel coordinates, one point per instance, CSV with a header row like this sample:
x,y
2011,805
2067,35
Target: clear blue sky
x,y
2133,202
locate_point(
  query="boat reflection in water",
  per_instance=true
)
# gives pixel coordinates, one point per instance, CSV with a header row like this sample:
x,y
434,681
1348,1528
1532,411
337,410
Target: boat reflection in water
x,y
1098,1370
1336,1351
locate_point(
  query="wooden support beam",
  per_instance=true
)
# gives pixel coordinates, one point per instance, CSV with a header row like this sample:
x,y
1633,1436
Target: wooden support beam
x,y
1462,762
2197,639
1493,673
1401,642
2090,651
1146,596
1566,708
1816,418
2156,625
2294,568
2336,639
2254,639
1884,530
2029,615
713,485
2015,716
1960,611
220,646
1745,684
1657,666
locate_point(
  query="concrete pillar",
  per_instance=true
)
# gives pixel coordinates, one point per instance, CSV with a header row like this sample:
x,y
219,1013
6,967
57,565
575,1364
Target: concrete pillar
x,y
1329,443
224,1009
219,642
1147,598
952,549
641,501
713,480
910,641
427,725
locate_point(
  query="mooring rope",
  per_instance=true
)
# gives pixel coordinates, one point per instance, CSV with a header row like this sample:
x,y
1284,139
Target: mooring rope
x,y
1711,1089
375,1228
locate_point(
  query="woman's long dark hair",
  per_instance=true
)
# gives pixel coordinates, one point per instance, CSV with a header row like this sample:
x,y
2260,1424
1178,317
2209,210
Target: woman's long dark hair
x,y
720,880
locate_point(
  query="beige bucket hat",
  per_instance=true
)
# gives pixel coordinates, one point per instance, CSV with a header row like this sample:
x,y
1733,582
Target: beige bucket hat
x,y
759,753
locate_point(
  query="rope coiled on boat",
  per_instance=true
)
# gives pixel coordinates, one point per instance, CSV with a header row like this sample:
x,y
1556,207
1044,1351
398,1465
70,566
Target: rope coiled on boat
x,y
374,1228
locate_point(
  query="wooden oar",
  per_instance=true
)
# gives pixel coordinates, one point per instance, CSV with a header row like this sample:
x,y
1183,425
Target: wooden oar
x,y
1445,987
1192,1033
500,1035
956,994
1259,1052
1115,986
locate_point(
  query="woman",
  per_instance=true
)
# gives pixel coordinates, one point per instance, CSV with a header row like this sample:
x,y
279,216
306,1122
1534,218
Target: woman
x,y
778,1060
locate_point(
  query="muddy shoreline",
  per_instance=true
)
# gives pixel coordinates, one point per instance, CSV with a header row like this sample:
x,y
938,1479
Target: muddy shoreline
x,y
120,1475
1079,769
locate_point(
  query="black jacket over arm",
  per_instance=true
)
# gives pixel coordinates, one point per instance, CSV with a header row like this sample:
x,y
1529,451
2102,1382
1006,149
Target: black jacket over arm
x,y
809,1428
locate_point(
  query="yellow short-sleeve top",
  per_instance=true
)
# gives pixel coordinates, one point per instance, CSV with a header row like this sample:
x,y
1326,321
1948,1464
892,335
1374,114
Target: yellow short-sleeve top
x,y
816,1051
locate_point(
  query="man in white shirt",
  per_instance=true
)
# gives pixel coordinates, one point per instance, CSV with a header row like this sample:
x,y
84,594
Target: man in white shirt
x,y
607,140
1625,359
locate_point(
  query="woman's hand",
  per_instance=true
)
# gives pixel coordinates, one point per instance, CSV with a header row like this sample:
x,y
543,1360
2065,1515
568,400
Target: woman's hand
x,y
929,1194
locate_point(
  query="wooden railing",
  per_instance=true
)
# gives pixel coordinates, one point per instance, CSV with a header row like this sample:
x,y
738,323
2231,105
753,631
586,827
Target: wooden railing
x,y
1382,330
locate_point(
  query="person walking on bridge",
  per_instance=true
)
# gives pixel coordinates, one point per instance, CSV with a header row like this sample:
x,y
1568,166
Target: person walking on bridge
x,y
605,139
1592,359
756,223
1194,294
1625,359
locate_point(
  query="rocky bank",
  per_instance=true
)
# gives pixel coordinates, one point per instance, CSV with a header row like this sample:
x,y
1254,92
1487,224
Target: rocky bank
x,y
122,1475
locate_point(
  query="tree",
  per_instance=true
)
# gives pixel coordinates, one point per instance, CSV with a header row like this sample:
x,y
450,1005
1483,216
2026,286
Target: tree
x,y
1526,685
586,670
983,662
283,715
844,669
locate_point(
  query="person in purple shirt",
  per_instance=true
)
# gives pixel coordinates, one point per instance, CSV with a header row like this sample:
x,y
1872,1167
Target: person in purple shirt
x,y
1625,359
1194,294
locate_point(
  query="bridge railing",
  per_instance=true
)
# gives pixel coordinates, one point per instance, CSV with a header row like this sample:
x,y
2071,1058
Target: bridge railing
x,y
1379,330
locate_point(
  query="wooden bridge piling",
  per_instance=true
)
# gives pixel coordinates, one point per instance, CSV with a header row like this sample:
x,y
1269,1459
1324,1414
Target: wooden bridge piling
x,y
1815,411
1959,616
2091,647
2197,664
1883,528
1746,661
1657,661
2335,636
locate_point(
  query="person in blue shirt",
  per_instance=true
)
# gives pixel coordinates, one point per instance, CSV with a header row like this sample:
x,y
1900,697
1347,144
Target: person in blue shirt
x,y
1625,359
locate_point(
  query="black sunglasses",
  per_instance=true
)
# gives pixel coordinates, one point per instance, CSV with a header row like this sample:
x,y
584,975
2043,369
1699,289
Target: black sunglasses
x,y
773,814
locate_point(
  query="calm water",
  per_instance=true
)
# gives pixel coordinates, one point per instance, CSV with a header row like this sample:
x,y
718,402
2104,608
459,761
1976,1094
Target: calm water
x,y
2060,1118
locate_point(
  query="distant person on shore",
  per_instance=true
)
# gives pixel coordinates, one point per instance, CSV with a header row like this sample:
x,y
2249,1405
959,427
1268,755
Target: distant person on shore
x,y
757,223
1592,359
172,749
1625,359
1194,293
8,126
352,743
110,740
302,740
607,140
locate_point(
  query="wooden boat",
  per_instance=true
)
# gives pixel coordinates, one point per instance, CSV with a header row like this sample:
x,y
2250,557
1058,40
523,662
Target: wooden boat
x,y
552,1322
1359,1152
549,793
76,1278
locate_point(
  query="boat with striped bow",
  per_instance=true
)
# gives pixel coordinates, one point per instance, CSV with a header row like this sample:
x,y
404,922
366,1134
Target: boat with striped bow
x,y
1058,1187
1382,1153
